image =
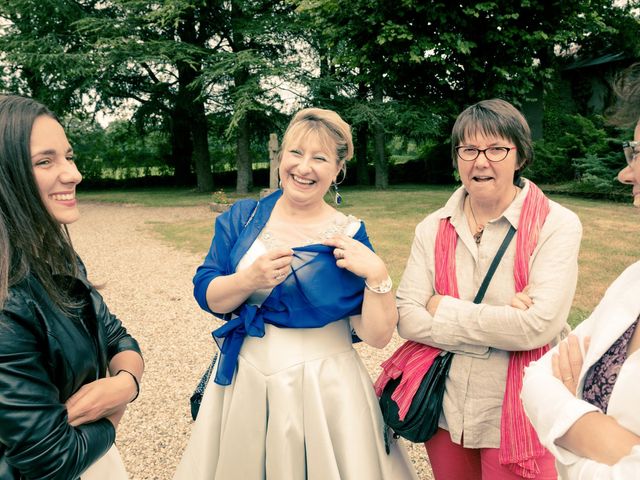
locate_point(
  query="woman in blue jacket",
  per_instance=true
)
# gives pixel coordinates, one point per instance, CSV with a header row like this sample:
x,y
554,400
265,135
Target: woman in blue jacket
x,y
293,278
68,368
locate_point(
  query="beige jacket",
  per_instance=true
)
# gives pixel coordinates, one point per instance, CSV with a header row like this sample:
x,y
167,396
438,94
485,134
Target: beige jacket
x,y
482,335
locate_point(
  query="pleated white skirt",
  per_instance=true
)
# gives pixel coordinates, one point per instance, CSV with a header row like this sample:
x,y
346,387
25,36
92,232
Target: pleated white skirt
x,y
301,406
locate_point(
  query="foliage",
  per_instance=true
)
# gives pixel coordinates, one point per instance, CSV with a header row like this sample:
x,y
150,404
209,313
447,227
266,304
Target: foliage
x,y
583,150
597,175
221,197
209,75
117,151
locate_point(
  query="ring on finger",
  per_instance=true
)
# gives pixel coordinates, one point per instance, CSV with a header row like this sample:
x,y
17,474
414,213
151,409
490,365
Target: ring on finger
x,y
566,379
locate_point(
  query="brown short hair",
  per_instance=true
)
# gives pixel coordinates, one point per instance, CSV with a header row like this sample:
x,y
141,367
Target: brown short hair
x,y
332,130
498,118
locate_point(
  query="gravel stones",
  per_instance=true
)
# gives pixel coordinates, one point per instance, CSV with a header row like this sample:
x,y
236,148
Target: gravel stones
x,y
147,284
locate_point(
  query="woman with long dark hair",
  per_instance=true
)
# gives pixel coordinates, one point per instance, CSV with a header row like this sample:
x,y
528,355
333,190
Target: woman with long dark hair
x,y
68,368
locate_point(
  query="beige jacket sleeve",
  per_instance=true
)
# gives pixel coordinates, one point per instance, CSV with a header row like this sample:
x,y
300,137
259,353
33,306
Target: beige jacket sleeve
x,y
417,287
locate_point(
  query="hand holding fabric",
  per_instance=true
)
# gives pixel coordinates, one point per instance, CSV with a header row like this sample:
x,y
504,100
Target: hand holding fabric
x,y
522,300
270,268
432,304
359,259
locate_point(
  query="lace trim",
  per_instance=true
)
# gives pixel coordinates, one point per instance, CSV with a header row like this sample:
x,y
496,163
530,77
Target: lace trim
x,y
338,226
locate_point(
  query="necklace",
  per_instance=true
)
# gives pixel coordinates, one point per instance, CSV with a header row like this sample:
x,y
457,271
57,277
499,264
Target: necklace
x,y
480,227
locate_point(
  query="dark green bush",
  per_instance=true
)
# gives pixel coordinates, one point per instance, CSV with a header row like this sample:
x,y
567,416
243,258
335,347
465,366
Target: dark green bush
x,y
584,151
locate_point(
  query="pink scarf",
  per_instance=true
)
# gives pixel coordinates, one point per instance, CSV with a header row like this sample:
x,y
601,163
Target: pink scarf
x,y
519,444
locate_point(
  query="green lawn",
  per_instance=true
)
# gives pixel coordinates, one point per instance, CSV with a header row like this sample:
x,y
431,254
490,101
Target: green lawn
x,y
153,197
609,229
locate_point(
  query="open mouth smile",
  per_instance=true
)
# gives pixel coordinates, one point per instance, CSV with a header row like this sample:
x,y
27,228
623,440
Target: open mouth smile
x,y
302,181
63,197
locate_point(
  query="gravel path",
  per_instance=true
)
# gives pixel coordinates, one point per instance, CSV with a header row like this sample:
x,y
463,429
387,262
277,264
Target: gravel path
x,y
147,283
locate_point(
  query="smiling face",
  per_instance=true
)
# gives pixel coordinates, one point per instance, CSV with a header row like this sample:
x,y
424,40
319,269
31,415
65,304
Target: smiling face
x,y
631,173
54,170
485,181
307,168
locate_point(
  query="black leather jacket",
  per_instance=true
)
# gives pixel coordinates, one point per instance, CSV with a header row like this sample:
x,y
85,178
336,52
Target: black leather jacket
x,y
45,357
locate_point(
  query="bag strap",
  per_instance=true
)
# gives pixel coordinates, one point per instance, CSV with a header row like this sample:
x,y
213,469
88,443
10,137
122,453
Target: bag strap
x,y
494,265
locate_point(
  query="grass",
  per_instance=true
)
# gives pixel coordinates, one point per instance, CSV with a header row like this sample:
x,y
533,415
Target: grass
x,y
154,197
609,241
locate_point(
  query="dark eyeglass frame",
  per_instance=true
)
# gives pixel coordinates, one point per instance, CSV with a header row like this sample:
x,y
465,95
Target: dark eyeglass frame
x,y
483,150
631,151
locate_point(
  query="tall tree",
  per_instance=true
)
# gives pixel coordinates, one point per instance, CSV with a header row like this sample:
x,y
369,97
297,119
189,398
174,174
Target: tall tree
x,y
439,57
256,56
40,55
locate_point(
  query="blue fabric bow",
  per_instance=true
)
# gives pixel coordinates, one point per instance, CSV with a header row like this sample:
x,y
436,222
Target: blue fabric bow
x,y
316,293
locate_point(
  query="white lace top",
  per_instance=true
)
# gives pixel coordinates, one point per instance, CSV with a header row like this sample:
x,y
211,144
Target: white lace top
x,y
277,234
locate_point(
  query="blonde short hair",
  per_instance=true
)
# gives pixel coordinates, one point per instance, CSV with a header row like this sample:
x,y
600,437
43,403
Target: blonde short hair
x,y
332,131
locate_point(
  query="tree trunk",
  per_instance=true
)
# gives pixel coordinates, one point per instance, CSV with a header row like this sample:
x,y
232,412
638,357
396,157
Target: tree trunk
x,y
181,146
195,132
362,167
382,174
204,177
244,180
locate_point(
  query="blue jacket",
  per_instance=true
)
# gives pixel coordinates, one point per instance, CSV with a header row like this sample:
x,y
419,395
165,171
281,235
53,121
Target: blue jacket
x,y
315,293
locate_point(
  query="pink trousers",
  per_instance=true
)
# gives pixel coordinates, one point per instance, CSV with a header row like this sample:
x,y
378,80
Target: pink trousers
x,y
450,461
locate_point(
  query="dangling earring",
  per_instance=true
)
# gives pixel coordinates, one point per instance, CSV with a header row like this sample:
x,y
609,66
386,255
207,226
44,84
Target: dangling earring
x,y
338,198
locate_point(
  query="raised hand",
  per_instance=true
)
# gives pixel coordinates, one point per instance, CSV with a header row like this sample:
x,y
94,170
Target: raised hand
x,y
269,269
357,258
567,362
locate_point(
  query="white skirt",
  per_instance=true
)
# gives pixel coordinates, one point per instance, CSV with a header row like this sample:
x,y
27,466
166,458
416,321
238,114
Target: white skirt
x,y
108,467
301,406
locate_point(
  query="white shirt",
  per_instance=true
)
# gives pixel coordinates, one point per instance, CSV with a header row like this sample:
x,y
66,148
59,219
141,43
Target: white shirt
x,y
552,409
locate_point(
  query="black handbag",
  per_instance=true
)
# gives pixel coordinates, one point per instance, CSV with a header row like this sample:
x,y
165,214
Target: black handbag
x,y
421,421
196,397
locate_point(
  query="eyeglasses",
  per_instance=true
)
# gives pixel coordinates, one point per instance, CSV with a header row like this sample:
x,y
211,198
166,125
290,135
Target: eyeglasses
x,y
631,151
493,154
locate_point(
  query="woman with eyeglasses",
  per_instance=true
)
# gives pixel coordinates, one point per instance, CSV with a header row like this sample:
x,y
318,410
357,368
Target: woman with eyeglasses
x,y
483,433
582,397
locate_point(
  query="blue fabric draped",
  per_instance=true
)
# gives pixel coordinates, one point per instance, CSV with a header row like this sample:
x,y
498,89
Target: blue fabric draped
x,y
315,293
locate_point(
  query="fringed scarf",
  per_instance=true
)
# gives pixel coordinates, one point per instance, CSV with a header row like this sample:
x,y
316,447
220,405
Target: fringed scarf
x,y
519,444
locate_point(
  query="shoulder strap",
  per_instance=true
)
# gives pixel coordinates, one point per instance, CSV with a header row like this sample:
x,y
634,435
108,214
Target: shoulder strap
x,y
494,264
